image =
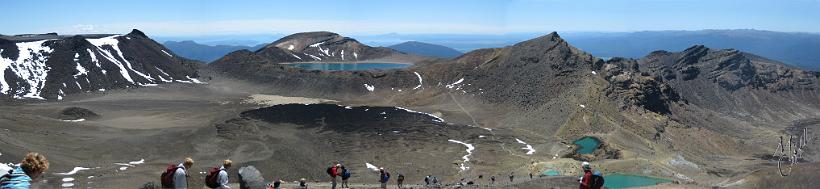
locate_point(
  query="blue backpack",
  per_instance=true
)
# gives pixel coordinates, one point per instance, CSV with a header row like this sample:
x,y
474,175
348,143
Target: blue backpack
x,y
385,177
345,173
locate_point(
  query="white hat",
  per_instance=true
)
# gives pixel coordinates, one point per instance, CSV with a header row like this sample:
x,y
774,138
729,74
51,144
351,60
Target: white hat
x,y
585,165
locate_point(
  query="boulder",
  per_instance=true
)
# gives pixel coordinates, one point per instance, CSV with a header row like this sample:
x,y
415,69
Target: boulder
x,y
250,177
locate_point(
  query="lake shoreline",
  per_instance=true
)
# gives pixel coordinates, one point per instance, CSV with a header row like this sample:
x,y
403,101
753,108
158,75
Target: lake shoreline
x,y
356,62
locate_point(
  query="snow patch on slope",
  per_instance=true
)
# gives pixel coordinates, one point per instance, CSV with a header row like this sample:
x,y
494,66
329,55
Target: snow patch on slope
x,y
420,81
114,43
528,147
371,166
29,66
166,53
466,158
73,171
435,118
450,86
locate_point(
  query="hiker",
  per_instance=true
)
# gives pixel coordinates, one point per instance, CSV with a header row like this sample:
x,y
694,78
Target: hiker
x,y
345,175
511,177
303,183
597,181
427,180
275,185
218,176
435,180
400,180
492,180
181,174
531,176
585,180
20,177
333,171
384,177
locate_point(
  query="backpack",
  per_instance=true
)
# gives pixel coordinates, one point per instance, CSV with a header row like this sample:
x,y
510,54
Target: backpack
x,y
330,170
167,177
6,176
596,181
345,173
385,177
212,179
401,177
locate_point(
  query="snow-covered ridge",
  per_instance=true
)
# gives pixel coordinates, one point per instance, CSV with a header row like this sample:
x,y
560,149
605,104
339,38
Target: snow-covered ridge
x,y
84,69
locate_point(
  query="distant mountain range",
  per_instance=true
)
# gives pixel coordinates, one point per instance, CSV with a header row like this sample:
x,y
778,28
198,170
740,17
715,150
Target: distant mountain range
x,y
205,53
426,49
798,49
306,47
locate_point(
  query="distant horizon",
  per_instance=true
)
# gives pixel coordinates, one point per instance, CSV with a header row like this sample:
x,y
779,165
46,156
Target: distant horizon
x,y
403,33
370,17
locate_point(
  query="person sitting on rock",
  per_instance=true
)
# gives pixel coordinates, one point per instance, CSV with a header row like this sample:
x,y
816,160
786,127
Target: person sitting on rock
x,y
31,168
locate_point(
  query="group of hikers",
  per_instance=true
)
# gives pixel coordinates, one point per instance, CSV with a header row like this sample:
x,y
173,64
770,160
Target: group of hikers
x,y
176,176
34,165
339,170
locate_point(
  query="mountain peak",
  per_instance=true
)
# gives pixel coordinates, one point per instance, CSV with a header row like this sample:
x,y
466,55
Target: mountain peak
x,y
136,32
550,38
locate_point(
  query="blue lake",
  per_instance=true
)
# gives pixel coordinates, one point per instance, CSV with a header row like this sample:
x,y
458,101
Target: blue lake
x,y
587,145
620,180
349,66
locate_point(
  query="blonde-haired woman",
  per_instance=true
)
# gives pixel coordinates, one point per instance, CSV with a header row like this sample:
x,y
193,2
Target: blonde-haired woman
x,y
32,167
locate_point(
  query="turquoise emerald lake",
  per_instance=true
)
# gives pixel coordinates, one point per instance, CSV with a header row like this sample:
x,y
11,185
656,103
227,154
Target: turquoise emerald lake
x,y
587,145
619,180
335,66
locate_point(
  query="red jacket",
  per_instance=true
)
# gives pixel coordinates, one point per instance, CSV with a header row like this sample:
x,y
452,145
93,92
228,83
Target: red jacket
x,y
334,171
585,182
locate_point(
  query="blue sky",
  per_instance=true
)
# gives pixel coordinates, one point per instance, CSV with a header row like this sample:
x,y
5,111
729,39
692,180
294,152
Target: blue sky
x,y
359,17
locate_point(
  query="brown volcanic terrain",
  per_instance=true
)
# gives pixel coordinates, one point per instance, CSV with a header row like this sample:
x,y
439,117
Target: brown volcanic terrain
x,y
702,117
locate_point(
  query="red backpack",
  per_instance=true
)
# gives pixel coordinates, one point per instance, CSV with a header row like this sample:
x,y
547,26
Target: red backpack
x,y
211,180
167,177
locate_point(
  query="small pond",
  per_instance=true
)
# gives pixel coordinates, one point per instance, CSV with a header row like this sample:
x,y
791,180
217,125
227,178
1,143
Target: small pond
x,y
587,145
551,172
